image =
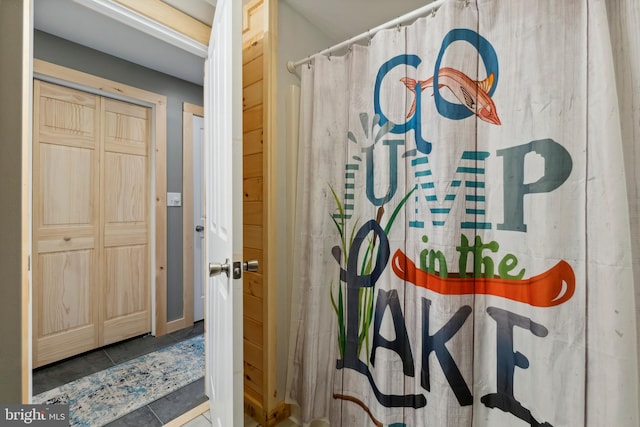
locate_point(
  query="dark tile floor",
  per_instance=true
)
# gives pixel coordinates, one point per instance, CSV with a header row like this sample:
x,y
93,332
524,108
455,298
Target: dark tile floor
x,y
154,414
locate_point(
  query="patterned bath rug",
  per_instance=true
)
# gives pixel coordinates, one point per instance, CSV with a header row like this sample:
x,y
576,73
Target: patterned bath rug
x,y
100,398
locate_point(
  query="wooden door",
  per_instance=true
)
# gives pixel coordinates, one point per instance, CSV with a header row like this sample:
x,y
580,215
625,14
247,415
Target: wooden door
x,y
91,233
125,211
66,220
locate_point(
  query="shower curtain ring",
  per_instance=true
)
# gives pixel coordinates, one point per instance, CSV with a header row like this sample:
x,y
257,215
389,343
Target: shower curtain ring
x,y
466,3
398,27
369,38
329,56
308,62
433,13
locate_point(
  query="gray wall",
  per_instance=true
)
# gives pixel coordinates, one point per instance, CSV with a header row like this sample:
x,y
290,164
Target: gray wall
x,y
62,52
11,215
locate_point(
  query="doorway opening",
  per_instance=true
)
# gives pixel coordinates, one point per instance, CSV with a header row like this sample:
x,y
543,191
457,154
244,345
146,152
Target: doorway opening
x,y
156,205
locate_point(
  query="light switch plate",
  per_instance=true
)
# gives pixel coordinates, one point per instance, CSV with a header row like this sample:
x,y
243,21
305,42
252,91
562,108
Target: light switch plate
x,y
174,199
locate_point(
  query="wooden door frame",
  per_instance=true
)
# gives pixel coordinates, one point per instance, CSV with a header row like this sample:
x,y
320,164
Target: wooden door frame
x,y
78,80
276,409
263,14
188,112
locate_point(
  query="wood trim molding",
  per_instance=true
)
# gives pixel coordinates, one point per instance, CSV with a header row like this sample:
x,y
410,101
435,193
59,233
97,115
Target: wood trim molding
x,y
27,110
254,20
188,111
176,325
280,412
170,17
194,110
189,415
159,104
260,26
97,83
254,409
270,167
161,216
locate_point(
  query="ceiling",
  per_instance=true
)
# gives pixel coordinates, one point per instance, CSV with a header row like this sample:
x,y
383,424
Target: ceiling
x,y
338,19
342,19
202,10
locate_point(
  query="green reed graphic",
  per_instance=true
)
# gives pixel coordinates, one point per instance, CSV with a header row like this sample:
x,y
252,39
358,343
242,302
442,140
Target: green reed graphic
x,y
366,295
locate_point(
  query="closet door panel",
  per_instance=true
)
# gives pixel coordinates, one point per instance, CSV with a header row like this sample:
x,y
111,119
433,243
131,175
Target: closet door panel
x,y
126,308
126,128
126,301
66,222
66,279
66,324
125,268
126,234
91,231
65,244
69,115
125,189
67,185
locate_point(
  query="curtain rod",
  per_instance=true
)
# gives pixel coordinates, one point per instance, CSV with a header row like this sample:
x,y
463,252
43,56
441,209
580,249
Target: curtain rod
x,y
417,13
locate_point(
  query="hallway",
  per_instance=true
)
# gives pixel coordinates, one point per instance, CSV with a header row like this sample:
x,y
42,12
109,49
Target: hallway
x,y
156,413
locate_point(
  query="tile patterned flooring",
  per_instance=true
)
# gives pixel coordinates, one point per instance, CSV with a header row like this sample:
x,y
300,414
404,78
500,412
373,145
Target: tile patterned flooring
x,y
155,413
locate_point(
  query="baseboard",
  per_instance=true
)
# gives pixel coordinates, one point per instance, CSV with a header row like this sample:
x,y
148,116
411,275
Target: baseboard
x,y
282,411
254,409
188,416
176,325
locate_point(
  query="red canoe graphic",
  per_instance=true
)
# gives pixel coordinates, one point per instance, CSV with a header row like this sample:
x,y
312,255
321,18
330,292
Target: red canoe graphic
x,y
553,287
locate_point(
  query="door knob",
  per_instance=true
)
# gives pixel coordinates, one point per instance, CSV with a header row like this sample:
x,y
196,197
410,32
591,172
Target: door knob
x,y
215,268
251,265
199,228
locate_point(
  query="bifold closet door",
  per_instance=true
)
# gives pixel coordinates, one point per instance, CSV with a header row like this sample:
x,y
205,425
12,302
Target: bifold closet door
x,y
91,202
66,222
125,199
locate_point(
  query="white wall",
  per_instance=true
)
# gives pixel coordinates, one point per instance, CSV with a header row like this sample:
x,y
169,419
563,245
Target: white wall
x,y
297,38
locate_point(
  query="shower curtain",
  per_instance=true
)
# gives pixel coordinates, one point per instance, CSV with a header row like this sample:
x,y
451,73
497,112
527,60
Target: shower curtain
x,y
467,223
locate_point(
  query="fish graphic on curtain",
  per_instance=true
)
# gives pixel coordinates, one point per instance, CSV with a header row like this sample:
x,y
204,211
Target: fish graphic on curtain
x,y
463,252
474,95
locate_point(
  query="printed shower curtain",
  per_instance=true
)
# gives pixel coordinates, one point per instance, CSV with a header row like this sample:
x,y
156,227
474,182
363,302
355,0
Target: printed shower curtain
x,y
467,221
